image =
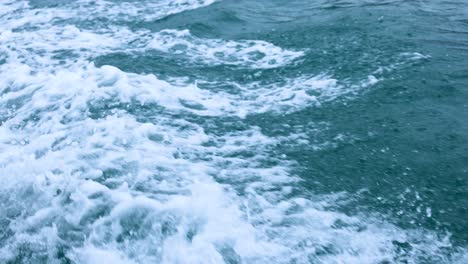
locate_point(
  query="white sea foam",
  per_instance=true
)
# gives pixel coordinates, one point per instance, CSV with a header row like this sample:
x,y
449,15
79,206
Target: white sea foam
x,y
144,10
250,53
99,165
138,10
114,187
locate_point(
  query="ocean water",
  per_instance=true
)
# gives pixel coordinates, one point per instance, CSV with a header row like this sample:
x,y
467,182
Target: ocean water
x,y
234,131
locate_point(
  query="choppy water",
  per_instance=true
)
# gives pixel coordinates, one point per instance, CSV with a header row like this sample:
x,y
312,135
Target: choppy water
x,y
202,131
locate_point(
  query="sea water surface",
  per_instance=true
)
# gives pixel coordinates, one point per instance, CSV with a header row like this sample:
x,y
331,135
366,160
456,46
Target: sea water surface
x,y
234,131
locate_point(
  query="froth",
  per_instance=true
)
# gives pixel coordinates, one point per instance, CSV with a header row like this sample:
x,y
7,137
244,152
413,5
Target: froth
x,y
249,53
101,165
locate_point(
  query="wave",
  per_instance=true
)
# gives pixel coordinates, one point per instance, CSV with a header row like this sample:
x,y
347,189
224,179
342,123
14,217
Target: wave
x,y
101,165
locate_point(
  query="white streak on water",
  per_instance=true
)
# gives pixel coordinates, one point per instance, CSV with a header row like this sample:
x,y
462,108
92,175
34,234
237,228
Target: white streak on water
x,y
250,53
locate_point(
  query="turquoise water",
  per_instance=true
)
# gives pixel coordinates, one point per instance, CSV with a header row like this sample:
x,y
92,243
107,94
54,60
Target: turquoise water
x,y
201,131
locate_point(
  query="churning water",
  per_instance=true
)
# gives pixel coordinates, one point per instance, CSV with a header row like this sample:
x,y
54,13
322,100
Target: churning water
x,y
235,131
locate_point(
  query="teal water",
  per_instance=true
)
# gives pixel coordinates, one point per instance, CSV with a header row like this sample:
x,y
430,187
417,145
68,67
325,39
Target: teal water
x,y
192,131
